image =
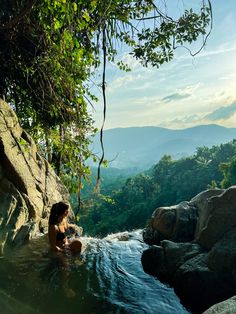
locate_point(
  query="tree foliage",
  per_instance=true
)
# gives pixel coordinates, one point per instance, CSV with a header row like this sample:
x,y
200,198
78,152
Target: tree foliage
x,y
169,182
229,171
49,50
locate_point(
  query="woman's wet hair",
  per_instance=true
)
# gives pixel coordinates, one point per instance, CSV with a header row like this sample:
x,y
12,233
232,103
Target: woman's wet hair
x,y
57,210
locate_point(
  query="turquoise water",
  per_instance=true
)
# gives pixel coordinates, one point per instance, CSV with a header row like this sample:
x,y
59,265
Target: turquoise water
x,y
107,278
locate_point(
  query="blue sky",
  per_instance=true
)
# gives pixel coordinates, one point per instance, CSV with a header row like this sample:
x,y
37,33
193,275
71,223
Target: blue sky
x,y
186,92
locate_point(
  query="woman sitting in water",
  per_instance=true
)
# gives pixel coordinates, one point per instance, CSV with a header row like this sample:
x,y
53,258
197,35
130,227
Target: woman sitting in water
x,y
58,226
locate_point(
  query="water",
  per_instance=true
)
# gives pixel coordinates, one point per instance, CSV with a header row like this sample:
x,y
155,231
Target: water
x,y
107,278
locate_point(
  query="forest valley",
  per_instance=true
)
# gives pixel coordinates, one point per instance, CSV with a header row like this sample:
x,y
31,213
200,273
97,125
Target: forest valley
x,y
127,201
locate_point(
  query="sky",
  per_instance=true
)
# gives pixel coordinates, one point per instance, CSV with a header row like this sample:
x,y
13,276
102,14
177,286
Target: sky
x,y
183,93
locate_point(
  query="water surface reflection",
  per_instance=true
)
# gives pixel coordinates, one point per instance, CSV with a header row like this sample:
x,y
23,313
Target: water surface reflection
x,y
107,278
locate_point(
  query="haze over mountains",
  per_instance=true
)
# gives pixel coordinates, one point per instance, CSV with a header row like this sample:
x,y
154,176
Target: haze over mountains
x,y
141,147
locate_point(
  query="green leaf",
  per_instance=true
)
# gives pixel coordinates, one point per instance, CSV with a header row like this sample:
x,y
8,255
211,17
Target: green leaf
x,y
74,4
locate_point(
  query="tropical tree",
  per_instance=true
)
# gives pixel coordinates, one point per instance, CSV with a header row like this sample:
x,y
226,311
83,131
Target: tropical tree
x,y
229,172
49,50
169,182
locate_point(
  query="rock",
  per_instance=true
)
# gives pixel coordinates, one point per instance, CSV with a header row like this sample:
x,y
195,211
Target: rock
x,y
204,219
220,218
153,261
198,287
28,184
176,223
163,261
120,236
203,269
226,307
177,254
76,230
201,202
185,267
151,236
222,257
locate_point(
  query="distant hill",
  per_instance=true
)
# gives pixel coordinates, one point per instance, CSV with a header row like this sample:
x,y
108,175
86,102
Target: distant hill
x,y
141,147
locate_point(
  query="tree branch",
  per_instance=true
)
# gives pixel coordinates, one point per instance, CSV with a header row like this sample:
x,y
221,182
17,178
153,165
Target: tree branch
x,y
13,22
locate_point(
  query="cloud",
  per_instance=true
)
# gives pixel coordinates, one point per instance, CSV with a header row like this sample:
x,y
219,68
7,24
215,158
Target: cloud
x,y
122,82
224,48
182,93
224,112
225,116
182,122
175,96
229,76
143,86
131,62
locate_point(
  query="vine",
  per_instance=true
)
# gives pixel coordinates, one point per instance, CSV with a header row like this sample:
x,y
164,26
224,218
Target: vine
x,y
49,49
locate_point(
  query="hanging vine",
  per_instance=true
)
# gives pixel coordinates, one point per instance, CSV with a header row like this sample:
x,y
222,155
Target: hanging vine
x,y
48,50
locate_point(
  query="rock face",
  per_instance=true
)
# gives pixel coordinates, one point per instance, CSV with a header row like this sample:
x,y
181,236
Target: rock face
x,y
28,185
220,218
225,307
176,223
201,263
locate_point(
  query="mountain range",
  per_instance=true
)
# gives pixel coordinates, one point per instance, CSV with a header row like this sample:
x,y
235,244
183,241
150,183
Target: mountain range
x,y
141,147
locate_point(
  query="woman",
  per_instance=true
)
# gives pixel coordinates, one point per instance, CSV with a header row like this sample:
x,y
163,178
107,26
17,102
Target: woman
x,y
58,226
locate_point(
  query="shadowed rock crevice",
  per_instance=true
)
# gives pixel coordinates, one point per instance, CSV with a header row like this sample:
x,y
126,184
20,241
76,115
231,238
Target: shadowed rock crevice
x,y
9,170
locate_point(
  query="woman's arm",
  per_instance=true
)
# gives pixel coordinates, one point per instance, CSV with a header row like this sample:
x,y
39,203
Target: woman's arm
x,y
52,233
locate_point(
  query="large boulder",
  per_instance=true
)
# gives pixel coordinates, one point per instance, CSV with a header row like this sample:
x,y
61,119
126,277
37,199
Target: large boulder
x,y
185,266
176,223
204,219
202,270
201,202
199,287
222,256
220,217
164,261
182,222
28,184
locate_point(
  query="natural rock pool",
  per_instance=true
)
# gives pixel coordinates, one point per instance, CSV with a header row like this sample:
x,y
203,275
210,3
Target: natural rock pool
x,y
107,278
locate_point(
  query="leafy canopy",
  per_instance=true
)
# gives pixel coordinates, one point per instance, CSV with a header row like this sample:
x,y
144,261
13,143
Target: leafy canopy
x,y
49,50
130,201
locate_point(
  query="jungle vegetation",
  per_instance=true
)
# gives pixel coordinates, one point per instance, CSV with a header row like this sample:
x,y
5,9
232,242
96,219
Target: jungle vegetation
x,y
50,49
127,203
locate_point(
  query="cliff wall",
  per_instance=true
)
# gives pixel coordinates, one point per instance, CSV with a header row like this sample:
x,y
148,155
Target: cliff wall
x,y
28,184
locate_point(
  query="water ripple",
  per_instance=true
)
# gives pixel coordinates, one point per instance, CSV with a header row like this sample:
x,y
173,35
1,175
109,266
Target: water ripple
x,y
107,278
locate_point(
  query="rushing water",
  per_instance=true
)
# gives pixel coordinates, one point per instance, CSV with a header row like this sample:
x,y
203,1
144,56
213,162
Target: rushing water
x,y
107,278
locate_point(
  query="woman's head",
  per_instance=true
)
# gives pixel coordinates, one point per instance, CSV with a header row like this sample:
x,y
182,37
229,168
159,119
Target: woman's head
x,y
58,211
